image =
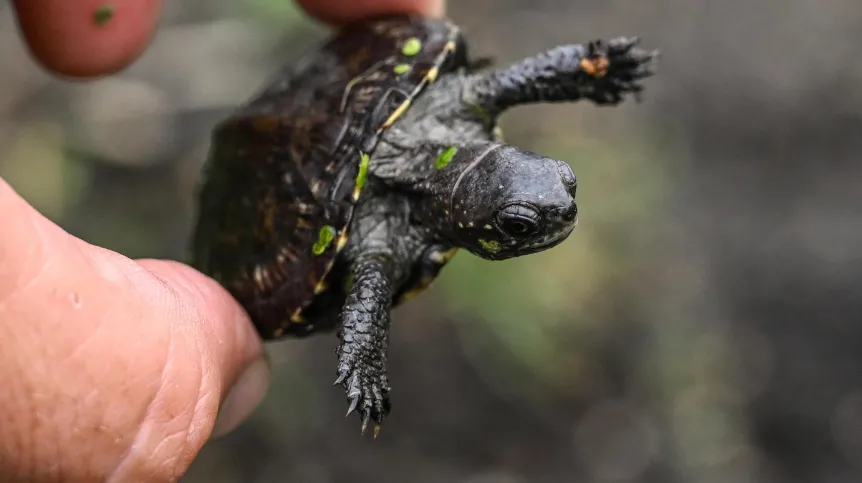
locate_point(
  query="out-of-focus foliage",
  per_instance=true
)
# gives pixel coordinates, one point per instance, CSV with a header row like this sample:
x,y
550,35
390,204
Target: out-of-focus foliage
x,y
701,325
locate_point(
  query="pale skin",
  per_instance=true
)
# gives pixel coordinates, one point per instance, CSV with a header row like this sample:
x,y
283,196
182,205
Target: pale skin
x,y
116,369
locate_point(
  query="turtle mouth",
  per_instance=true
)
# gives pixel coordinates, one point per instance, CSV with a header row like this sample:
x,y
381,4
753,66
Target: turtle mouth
x,y
544,243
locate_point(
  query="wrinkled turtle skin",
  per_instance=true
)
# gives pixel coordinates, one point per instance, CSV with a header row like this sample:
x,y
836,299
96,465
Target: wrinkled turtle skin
x,y
344,187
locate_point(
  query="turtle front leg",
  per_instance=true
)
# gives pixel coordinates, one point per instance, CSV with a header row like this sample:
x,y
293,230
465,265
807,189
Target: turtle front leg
x,y
602,72
364,338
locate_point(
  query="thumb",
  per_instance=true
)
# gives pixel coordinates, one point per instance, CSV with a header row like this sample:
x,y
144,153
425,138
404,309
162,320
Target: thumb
x,y
86,38
112,369
220,322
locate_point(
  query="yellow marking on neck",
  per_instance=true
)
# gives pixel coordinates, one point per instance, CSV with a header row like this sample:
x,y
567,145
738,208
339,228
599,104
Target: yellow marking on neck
x,y
490,246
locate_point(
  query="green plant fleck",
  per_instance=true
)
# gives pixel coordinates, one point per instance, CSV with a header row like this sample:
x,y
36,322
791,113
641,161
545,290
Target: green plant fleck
x,y
401,68
324,239
445,157
490,246
363,171
411,47
104,13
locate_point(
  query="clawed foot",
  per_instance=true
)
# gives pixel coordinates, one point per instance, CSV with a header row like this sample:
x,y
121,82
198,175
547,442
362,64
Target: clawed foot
x,y
617,67
363,377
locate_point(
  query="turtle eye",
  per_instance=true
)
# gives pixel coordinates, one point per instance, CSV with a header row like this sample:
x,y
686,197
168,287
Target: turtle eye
x,y
518,221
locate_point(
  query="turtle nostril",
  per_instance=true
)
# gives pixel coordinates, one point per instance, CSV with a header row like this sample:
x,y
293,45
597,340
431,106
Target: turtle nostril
x,y
571,213
566,214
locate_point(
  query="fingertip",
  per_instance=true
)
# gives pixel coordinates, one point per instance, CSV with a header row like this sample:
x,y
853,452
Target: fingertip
x,y
339,12
87,38
242,399
223,324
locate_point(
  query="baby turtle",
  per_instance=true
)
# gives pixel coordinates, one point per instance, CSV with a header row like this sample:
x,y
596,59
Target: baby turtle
x,y
343,188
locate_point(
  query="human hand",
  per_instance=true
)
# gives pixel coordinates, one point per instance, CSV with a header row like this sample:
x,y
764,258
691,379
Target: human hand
x,y
66,39
116,369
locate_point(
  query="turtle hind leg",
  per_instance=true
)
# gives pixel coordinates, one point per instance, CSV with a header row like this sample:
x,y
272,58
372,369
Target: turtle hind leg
x,y
364,338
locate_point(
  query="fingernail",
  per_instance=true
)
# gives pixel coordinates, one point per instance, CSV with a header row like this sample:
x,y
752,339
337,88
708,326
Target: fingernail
x,y
243,398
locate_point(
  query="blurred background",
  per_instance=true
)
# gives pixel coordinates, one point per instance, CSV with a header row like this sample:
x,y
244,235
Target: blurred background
x,y
701,325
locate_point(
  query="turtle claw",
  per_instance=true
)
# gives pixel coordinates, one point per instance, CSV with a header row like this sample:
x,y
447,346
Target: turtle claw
x,y
367,395
365,420
626,66
341,378
353,402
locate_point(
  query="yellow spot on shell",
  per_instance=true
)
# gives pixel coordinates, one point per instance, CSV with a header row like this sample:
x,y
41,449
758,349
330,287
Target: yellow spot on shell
x,y
395,115
432,74
320,287
296,317
324,239
342,240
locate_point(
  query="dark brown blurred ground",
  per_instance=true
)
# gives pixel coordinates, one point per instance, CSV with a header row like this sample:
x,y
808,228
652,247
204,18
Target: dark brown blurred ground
x,y
702,325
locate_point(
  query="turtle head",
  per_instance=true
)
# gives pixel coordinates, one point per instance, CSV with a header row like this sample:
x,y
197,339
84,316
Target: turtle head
x,y
507,202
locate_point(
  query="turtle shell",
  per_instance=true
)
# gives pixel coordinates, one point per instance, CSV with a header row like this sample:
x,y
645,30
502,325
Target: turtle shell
x,y
285,171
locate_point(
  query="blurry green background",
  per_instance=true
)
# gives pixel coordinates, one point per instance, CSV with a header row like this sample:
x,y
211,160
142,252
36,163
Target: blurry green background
x,y
701,325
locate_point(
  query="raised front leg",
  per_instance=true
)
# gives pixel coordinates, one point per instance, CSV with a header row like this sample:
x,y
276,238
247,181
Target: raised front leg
x,y
364,340
599,71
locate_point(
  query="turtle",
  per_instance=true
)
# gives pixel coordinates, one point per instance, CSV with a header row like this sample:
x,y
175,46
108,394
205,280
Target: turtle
x,y
351,178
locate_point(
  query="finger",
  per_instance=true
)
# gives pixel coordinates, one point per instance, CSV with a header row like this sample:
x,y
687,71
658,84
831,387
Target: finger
x,y
224,321
113,370
211,328
339,12
87,38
